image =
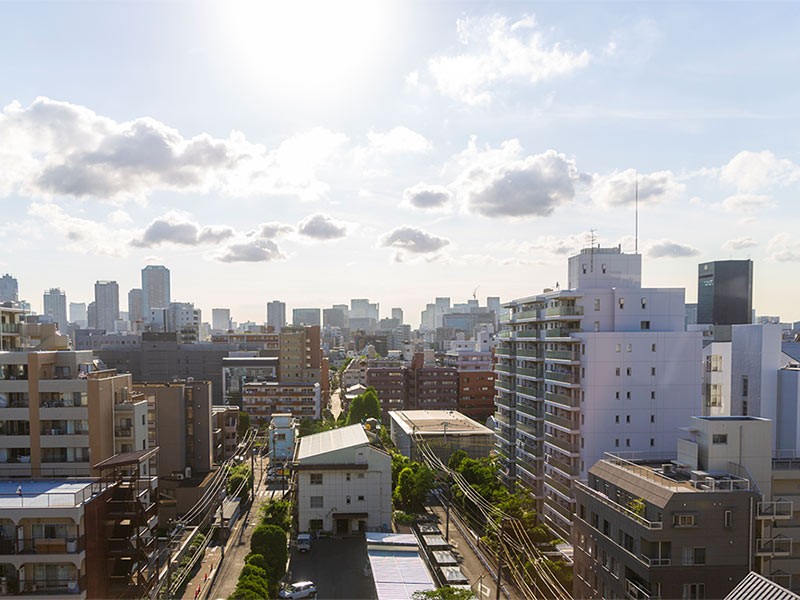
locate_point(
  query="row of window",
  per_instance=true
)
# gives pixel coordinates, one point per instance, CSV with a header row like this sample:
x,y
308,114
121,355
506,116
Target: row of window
x,y
319,501
629,347
316,478
629,371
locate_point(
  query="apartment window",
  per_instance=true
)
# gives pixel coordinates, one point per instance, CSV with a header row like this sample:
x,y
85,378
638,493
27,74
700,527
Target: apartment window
x,y
630,347
719,438
316,501
628,395
694,556
606,528
652,442
694,591
583,349
619,347
683,520
652,394
361,476
628,371
616,419
597,326
745,386
652,347
347,476
603,267
583,268
621,303
582,415
653,371
595,521
315,524
617,393
618,370
316,478
361,498
616,443
652,418
728,519
644,325
644,303
347,500
597,303
627,418
628,442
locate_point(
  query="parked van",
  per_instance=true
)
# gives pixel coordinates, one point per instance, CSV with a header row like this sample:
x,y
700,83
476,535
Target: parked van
x,y
303,542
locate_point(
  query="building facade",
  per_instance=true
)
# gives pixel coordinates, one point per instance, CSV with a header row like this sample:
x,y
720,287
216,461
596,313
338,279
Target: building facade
x,y
106,305
725,292
55,306
276,315
156,291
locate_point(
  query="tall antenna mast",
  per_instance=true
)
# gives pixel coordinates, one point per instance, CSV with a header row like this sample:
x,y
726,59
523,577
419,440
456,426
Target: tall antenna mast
x,y
636,236
591,253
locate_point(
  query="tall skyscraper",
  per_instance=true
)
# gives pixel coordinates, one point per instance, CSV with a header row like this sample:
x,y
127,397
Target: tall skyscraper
x,y
397,313
602,365
276,315
106,300
220,319
9,289
306,316
77,314
155,288
55,305
725,292
135,308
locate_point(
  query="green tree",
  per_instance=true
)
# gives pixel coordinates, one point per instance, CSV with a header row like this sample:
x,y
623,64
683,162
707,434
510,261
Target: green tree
x,y
413,484
404,490
364,406
244,423
456,458
444,593
240,474
257,560
270,541
277,512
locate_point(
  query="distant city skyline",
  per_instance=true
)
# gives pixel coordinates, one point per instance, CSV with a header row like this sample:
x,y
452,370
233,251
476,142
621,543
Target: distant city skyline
x,y
503,137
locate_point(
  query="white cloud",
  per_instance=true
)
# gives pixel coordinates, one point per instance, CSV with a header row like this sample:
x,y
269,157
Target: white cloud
x,y
752,172
670,249
177,228
398,140
506,185
427,197
273,229
54,148
784,247
321,227
258,250
412,241
497,51
619,188
740,243
746,202
83,236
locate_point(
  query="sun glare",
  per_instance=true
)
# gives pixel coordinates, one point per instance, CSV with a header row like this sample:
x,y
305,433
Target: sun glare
x,y
302,45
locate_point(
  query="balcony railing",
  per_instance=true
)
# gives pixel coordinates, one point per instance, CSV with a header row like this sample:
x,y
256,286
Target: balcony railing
x,y
655,561
566,467
561,355
618,508
564,311
503,368
530,411
10,328
561,487
566,423
529,372
780,509
68,545
529,429
562,510
527,333
637,591
570,378
529,353
562,400
564,444
777,546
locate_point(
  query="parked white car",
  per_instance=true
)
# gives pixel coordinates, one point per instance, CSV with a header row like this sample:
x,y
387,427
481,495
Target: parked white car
x,y
299,589
303,542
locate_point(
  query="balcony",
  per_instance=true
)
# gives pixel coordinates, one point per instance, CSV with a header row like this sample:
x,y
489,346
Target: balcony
x,y
504,402
565,377
618,508
530,411
562,355
655,561
778,510
565,423
503,369
42,546
505,437
566,445
560,332
565,512
525,315
774,547
562,400
564,489
9,328
527,333
529,353
529,372
531,430
637,591
567,468
529,465
564,311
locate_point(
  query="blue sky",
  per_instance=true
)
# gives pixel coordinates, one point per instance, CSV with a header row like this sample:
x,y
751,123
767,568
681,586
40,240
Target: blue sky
x,y
315,152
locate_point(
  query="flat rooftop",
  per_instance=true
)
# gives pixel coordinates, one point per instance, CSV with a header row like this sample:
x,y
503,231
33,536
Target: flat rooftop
x,y
437,422
47,493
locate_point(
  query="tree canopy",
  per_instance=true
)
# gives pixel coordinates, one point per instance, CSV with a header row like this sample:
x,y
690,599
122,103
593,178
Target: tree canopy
x,y
364,406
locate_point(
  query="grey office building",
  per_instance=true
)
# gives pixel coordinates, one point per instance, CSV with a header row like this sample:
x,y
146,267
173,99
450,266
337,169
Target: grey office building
x,y
9,289
725,292
55,305
155,288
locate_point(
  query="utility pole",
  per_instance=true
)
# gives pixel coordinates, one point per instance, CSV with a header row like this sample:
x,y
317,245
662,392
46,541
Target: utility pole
x,y
222,536
500,558
447,511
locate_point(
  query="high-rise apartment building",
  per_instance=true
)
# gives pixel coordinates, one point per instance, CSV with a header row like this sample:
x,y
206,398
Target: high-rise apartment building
x,y
9,289
276,315
602,365
333,317
106,302
306,316
55,305
397,313
220,319
77,314
155,288
136,306
725,292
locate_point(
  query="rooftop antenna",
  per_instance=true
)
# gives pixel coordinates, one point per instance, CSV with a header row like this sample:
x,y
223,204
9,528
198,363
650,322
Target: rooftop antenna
x,y
591,253
636,236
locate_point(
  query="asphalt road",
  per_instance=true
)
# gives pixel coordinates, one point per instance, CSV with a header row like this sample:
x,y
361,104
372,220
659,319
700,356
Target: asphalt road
x,y
336,565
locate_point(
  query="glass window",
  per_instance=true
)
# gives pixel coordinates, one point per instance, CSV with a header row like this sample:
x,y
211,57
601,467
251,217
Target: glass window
x,y
316,478
316,502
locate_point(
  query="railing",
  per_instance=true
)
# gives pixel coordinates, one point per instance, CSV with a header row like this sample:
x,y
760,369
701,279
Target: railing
x,y
9,327
777,546
706,484
503,368
558,332
527,333
530,411
562,399
528,465
36,500
562,510
68,545
561,487
652,525
565,444
123,431
566,423
529,353
50,586
529,372
635,591
565,467
564,311
655,561
526,314
561,355
529,429
60,431
563,377
779,509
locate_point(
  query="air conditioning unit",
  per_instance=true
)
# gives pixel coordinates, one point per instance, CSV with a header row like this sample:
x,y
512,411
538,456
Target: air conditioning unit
x,y
180,476
667,468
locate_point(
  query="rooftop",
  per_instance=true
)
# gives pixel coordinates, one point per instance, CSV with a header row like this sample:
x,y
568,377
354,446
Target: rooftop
x,y
433,422
47,493
328,441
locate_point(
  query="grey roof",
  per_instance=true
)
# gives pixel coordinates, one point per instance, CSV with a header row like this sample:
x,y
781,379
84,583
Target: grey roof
x,y
756,586
791,349
328,441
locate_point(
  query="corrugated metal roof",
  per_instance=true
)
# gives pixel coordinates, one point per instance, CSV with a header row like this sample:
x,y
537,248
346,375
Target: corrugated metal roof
x,y
327,441
398,575
756,586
